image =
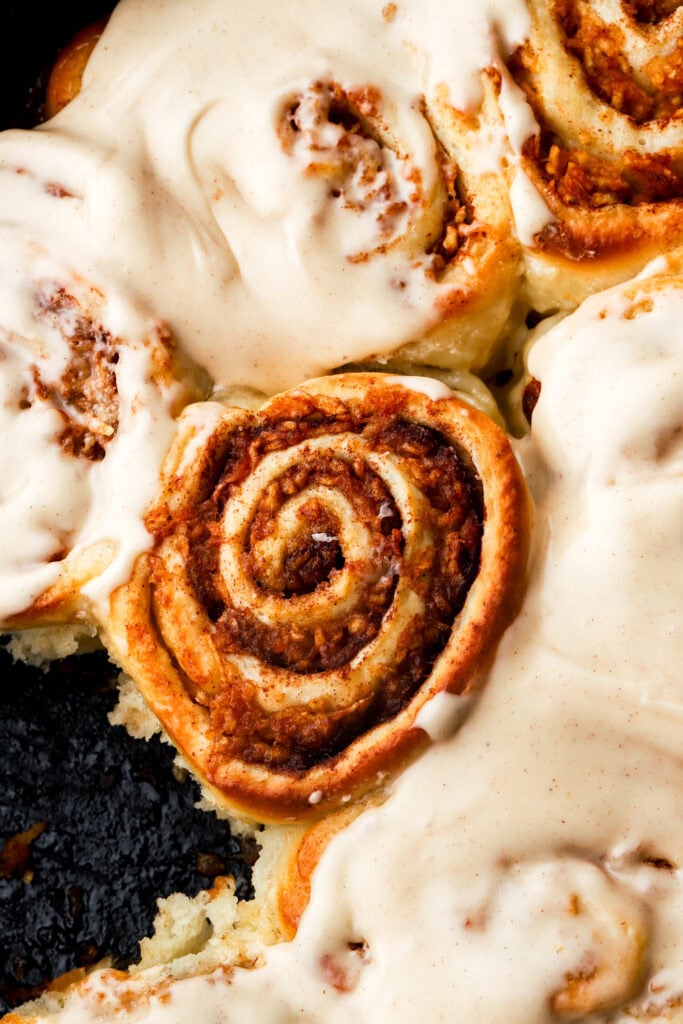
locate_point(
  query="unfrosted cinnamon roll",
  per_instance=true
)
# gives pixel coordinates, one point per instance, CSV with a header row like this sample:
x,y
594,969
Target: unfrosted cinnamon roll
x,y
324,569
605,82
86,412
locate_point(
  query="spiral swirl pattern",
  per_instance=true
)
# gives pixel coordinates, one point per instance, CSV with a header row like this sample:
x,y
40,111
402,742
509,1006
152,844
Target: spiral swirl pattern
x,y
605,81
324,567
383,193
85,379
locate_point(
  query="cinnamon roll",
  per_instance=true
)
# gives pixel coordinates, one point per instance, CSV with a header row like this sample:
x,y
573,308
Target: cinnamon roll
x,y
85,415
607,971
324,569
605,82
629,337
356,184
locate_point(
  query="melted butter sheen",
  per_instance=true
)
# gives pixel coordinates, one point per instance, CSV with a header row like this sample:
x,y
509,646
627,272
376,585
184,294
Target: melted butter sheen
x,y
526,870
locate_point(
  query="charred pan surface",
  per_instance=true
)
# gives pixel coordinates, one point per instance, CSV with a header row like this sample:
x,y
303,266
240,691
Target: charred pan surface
x,y
94,827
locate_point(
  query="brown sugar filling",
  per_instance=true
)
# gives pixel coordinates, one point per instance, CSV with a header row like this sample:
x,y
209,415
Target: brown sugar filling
x,y
86,394
310,564
599,46
355,168
589,180
580,179
457,221
297,738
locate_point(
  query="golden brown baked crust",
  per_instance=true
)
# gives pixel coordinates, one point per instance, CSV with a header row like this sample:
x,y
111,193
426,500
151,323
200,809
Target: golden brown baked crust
x,y
323,569
606,158
65,79
475,254
74,376
299,859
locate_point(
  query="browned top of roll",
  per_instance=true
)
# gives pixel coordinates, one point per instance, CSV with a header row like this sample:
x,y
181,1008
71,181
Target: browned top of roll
x,y
322,569
607,157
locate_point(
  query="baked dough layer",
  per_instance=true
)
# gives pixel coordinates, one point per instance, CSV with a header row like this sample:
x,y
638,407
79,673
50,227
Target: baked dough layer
x,y
324,568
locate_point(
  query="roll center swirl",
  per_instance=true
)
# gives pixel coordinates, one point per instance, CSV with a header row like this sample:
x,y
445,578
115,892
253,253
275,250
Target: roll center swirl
x,y
342,545
324,567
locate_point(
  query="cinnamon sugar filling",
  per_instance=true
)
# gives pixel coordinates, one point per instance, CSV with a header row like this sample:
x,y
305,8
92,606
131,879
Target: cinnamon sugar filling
x,y
457,221
655,94
583,179
333,128
315,555
341,133
86,394
296,738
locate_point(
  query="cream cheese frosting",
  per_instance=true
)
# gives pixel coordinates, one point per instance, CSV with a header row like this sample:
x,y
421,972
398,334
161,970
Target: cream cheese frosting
x,y
56,498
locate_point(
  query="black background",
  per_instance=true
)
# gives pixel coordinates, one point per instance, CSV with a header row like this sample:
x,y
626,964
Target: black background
x,y
32,34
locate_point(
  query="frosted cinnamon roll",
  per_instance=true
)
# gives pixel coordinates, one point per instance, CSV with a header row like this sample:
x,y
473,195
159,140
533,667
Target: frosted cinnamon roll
x,y
605,83
334,171
451,219
325,569
601,918
627,344
607,969
88,391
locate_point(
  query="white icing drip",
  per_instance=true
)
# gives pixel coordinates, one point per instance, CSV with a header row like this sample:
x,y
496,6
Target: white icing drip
x,y
40,498
442,715
529,208
433,388
456,44
123,485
